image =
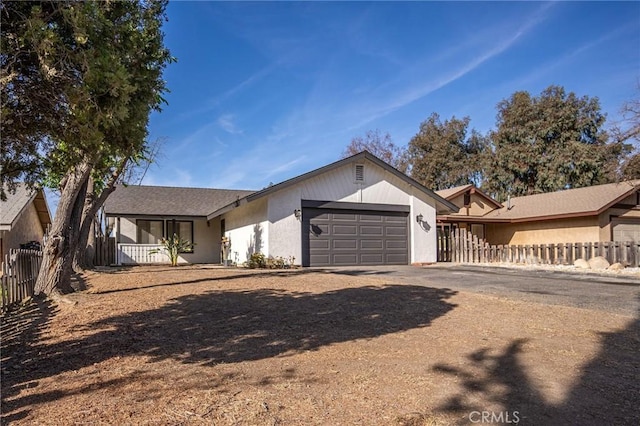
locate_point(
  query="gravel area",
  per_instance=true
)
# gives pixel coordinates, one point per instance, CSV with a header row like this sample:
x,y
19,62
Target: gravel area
x,y
199,345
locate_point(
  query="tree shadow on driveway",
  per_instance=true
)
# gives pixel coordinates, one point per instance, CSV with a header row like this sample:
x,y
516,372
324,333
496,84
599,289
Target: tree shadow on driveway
x,y
227,326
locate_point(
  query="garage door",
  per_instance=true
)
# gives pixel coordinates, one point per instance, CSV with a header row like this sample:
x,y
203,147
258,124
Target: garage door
x,y
335,237
626,231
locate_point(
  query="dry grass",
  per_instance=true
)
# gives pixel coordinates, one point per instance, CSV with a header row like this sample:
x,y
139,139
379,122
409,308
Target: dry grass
x,y
191,345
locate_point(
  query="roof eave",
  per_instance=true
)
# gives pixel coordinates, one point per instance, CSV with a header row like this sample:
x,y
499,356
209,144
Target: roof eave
x,y
462,190
447,205
477,190
474,219
231,206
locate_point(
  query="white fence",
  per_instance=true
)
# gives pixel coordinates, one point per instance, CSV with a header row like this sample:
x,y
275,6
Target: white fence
x,y
137,254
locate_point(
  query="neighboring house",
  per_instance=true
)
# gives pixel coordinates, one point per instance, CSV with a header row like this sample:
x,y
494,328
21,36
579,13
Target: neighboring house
x,y
24,217
609,212
472,203
356,211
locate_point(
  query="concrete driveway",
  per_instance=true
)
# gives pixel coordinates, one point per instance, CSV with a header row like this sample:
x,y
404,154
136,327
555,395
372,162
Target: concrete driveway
x,y
615,294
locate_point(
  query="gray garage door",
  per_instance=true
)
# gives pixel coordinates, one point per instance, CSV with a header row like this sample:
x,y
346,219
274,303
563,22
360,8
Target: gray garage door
x,y
626,231
354,237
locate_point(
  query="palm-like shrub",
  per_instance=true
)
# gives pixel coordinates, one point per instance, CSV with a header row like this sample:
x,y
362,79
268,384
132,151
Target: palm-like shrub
x,y
172,247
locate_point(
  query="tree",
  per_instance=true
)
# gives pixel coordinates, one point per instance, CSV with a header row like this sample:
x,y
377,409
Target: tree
x,y
106,59
441,155
631,117
628,133
380,145
124,170
631,167
547,143
35,87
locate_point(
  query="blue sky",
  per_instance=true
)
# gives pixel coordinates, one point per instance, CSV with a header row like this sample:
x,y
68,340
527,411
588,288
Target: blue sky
x,y
266,91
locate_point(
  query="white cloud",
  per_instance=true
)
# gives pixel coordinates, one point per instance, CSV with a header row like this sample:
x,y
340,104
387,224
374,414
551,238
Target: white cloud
x,y
228,123
172,177
285,167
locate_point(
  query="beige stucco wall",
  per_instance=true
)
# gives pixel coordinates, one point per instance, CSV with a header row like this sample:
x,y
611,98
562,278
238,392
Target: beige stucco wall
x,y
26,228
575,230
478,206
206,237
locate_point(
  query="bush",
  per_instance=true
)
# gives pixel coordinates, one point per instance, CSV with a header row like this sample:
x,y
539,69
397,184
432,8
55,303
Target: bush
x,y
258,260
172,247
275,262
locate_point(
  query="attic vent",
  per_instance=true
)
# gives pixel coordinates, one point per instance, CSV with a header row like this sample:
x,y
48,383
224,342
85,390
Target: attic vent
x,y
359,172
467,199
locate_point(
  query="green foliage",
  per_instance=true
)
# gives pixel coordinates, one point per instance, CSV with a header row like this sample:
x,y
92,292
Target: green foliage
x,y
441,155
79,80
259,260
256,260
549,142
172,247
631,167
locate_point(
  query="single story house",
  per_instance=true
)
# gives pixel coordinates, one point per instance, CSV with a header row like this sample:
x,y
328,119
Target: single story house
x,y
599,213
140,216
24,218
356,211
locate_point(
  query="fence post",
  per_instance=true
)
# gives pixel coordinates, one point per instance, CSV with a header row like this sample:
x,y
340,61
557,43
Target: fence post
x,y
4,282
560,253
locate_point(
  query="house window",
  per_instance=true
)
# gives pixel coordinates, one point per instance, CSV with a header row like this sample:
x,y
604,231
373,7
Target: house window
x,y
477,229
149,231
359,173
182,228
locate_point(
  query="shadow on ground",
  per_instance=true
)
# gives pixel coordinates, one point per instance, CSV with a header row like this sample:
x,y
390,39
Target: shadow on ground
x,y
607,392
227,327
20,327
239,274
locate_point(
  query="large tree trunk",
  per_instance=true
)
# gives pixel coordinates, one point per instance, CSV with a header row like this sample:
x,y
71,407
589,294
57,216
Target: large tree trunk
x,y
80,261
91,206
90,250
55,271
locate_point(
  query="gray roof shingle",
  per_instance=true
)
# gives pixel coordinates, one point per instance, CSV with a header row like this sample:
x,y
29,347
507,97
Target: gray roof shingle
x,y
15,204
169,201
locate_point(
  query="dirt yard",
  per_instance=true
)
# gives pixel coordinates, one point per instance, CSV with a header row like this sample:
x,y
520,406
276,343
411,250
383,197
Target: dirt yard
x,y
196,345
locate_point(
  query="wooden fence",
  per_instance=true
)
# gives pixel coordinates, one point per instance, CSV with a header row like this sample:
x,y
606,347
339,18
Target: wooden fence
x,y
468,248
19,274
105,251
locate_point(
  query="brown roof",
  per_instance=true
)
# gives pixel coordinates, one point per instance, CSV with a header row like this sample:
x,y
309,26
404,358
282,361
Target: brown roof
x,y
452,192
15,204
169,201
577,202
